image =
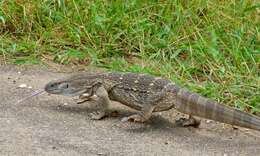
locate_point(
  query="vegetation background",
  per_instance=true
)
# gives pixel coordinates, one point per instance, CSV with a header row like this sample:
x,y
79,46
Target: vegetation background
x,y
210,47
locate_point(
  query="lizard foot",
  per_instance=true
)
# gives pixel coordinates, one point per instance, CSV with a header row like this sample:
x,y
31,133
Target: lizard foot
x,y
186,122
80,101
97,115
134,118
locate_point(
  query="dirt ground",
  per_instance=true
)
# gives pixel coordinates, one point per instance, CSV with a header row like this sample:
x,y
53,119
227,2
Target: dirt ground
x,y
55,125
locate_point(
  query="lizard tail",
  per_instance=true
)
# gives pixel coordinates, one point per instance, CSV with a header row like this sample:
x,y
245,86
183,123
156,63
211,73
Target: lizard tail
x,y
194,104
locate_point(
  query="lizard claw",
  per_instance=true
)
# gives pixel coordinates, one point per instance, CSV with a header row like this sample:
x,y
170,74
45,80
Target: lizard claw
x,y
80,101
133,118
97,115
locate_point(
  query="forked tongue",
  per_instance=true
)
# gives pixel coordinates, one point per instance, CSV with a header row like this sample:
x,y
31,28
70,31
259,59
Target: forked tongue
x,y
38,92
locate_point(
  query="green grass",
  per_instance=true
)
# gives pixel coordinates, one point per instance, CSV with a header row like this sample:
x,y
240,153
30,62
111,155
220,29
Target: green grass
x,y
210,47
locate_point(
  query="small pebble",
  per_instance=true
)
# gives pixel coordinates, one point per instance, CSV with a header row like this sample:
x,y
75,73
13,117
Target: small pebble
x,y
30,87
19,72
65,104
22,85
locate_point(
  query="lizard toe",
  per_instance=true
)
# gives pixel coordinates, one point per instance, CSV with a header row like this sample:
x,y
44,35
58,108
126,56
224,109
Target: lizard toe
x,y
97,115
186,122
133,118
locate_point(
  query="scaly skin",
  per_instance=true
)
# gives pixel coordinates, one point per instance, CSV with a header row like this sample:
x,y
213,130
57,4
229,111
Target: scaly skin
x,y
147,94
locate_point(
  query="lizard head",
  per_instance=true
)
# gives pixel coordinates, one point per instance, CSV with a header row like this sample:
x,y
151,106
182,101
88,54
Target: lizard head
x,y
63,88
71,86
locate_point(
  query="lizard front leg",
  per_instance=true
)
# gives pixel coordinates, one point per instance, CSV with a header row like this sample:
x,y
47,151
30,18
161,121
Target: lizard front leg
x,y
86,97
103,102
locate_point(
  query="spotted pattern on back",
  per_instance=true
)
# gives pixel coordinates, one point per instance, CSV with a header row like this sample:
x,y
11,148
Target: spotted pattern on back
x,y
135,89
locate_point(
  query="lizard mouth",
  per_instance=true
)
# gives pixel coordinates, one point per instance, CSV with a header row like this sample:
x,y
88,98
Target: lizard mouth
x,y
52,91
63,89
65,92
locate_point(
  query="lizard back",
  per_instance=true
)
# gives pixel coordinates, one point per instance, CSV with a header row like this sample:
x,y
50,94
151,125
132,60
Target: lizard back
x,y
136,90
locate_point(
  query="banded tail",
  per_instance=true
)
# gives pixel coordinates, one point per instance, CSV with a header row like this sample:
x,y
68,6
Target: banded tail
x,y
194,104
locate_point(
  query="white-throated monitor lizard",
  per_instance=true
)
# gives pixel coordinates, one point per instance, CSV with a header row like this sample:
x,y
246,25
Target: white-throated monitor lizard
x,y
147,94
